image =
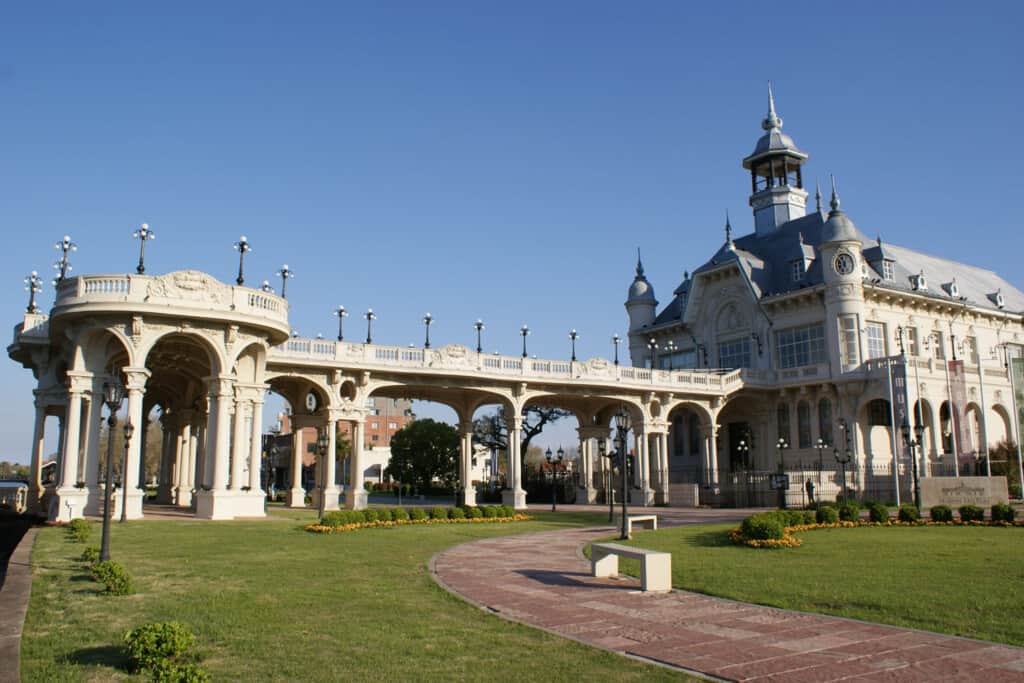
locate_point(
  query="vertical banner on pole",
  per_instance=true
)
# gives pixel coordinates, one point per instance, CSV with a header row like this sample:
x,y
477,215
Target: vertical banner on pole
x,y
958,410
898,413
1017,382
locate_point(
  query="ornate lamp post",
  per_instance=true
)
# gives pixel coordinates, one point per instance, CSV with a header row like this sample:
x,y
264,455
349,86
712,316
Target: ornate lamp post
x,y
242,246
913,445
743,451
62,266
622,426
143,234
615,342
266,287
33,285
602,450
780,446
342,314
322,443
554,461
652,346
129,429
370,317
821,446
524,330
573,336
427,320
670,346
285,274
113,395
479,327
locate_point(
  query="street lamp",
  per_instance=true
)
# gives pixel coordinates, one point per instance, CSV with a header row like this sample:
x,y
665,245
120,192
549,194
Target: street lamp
x,y
322,443
821,446
573,336
844,457
554,461
285,274
33,285
524,330
242,246
670,346
266,287
913,445
743,450
113,395
602,450
427,319
615,342
370,317
62,266
479,327
780,446
622,425
342,314
129,429
652,345
143,234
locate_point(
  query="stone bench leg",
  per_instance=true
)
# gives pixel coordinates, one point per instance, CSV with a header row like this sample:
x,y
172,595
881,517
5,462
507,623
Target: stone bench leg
x,y
656,573
604,565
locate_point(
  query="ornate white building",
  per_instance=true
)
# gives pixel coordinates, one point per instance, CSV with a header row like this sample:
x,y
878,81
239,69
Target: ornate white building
x,y
810,308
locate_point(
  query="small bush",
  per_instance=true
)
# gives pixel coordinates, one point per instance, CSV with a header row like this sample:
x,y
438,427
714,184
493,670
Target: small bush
x,y
457,513
152,644
80,530
370,515
475,512
826,514
113,576
1002,512
763,526
91,554
878,512
439,513
507,511
417,513
334,519
490,511
849,511
399,514
971,513
168,671
385,515
941,513
909,513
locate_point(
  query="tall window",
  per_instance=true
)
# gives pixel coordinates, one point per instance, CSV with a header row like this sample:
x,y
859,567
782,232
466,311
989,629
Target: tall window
x,y
825,420
803,424
848,341
938,348
782,422
911,341
876,340
798,270
800,346
888,272
734,353
971,350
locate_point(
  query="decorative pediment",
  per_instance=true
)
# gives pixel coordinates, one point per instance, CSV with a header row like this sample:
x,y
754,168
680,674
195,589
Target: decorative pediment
x,y
188,285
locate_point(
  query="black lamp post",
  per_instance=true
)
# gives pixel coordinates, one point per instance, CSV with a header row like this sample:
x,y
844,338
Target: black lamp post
x,y
821,446
602,450
743,451
273,452
242,246
322,444
427,319
573,336
845,456
524,330
129,429
62,266
913,445
652,346
554,461
479,327
615,342
670,346
143,234
370,317
33,285
266,287
622,425
780,446
342,314
285,274
113,395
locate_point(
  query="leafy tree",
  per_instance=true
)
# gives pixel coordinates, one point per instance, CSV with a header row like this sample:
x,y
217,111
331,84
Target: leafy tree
x,y
424,451
13,471
492,430
1004,464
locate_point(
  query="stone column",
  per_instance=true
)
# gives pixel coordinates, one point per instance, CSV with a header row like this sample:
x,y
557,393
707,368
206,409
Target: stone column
x,y
355,495
185,460
192,471
72,434
240,444
35,482
589,437
168,458
131,494
92,446
256,448
468,494
218,502
331,491
711,447
661,494
514,495
296,494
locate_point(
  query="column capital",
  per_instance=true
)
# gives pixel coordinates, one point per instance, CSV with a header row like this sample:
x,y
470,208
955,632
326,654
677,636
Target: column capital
x,y
221,385
594,432
79,382
466,427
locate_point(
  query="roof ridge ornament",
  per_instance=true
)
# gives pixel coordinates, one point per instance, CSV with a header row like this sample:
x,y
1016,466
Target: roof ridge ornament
x,y
639,265
817,195
834,202
772,120
728,231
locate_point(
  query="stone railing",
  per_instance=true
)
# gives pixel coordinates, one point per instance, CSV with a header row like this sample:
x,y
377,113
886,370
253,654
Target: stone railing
x,y
187,289
764,377
459,359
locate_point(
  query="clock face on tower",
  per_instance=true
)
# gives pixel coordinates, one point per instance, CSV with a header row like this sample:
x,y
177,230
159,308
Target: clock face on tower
x,y
844,264
311,402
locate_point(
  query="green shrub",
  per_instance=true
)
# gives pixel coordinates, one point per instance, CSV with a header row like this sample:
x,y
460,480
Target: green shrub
x,y
971,513
457,513
476,512
878,512
168,671
370,515
149,645
909,513
113,576
80,530
826,514
417,513
1002,512
941,513
334,519
439,513
849,511
400,514
763,526
491,511
385,515
507,511
91,554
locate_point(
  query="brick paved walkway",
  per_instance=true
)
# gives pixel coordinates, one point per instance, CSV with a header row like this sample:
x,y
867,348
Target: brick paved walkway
x,y
541,579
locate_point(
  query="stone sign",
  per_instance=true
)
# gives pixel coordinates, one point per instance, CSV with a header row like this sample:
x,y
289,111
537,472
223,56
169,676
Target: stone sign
x,y
957,491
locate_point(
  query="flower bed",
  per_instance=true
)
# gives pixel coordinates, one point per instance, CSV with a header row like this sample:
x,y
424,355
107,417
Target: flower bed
x,y
350,520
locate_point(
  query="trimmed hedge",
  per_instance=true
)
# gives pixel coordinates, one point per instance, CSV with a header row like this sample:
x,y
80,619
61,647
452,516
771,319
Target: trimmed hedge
x,y
941,513
400,514
849,511
456,513
826,514
971,513
877,512
1003,512
763,526
908,513
80,530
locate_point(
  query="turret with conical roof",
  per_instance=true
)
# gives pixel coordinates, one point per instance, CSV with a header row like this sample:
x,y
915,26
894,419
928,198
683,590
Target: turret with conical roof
x,y
640,302
776,181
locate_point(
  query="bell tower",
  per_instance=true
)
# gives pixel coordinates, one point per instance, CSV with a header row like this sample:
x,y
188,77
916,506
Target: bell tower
x,y
776,181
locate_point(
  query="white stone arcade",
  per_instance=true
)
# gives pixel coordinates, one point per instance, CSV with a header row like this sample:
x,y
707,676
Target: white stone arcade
x,y
205,353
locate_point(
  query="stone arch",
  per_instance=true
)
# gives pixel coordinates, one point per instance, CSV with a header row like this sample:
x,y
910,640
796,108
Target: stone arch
x,y
975,427
215,352
249,364
98,349
1000,424
294,388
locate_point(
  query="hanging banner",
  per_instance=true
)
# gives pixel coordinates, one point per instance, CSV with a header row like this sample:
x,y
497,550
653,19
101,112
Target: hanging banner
x,y
1017,369
958,390
900,405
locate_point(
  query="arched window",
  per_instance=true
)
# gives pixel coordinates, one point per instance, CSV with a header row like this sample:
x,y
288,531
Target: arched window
x,y
782,422
947,427
694,433
825,420
803,424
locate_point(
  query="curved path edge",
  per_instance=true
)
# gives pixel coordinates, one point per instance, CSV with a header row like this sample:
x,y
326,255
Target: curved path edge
x,y
542,580
14,596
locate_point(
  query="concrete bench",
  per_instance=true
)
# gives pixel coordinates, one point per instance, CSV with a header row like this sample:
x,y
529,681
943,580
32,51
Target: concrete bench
x,y
646,521
655,566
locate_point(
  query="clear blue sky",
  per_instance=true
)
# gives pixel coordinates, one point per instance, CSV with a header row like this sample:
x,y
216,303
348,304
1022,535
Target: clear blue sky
x,y
493,160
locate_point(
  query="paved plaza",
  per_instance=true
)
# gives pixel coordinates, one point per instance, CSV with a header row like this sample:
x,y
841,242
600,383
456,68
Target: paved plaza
x,y
543,580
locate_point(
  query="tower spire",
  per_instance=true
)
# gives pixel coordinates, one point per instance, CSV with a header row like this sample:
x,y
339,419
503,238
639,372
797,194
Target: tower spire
x,y
817,195
728,230
639,264
834,202
772,120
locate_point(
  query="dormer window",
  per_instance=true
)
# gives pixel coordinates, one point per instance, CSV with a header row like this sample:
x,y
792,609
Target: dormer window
x,y
953,289
919,282
888,271
798,269
997,298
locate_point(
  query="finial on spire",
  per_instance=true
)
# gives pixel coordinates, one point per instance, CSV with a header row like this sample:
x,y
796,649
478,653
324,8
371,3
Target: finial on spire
x,y
834,202
772,120
639,264
817,195
686,275
728,230
879,240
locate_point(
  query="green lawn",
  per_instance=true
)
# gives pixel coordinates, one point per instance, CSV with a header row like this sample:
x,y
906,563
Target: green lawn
x,y
269,601
966,581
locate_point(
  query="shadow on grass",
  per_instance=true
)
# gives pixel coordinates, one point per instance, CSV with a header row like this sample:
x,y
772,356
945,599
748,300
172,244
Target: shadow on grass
x,y
105,655
710,539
